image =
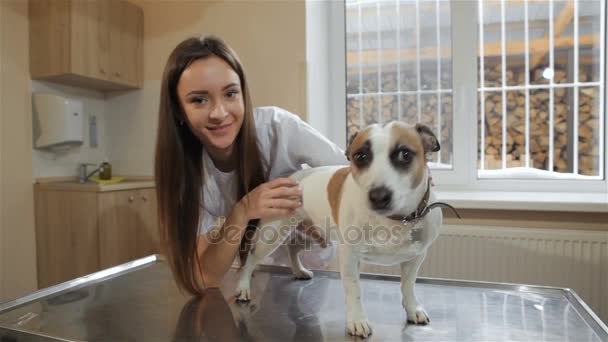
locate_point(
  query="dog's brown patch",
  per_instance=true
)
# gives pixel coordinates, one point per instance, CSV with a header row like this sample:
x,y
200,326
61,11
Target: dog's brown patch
x,y
404,134
359,141
314,232
334,191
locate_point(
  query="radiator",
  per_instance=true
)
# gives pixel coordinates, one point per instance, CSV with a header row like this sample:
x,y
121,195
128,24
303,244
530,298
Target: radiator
x,y
552,257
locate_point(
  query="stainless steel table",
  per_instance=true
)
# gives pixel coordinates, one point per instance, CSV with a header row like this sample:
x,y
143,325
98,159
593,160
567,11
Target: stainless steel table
x,y
138,301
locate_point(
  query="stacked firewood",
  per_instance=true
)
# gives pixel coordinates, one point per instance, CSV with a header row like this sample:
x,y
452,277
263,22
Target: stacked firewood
x,y
539,124
367,109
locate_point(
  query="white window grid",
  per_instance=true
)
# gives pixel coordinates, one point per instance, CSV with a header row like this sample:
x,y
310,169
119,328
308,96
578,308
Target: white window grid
x,y
419,92
575,86
464,174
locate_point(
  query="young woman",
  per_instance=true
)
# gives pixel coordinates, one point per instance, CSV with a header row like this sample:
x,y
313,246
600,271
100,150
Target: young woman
x,y
221,164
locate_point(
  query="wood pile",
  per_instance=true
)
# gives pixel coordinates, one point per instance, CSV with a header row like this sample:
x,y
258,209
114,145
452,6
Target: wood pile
x,y
588,126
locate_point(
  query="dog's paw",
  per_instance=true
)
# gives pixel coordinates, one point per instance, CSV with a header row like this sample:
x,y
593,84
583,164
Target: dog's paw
x,y
417,316
303,274
243,295
360,328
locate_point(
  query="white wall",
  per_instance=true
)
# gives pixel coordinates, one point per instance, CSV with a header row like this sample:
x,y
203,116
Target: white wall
x,y
65,163
325,56
132,118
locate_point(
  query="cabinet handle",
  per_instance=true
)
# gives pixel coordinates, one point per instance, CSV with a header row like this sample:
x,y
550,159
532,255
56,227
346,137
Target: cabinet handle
x,y
117,74
131,198
103,72
144,198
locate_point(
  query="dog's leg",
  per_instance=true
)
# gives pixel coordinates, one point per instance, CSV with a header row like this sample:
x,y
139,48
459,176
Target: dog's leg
x,y
409,271
304,236
269,237
356,320
295,245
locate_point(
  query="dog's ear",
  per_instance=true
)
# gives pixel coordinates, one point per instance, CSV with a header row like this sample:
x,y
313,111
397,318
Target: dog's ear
x,y
429,140
350,141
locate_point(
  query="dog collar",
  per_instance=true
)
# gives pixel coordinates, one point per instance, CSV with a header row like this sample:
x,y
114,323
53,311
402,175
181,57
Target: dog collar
x,y
423,208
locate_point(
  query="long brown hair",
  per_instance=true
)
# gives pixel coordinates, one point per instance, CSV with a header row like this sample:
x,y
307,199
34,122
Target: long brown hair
x,y
179,162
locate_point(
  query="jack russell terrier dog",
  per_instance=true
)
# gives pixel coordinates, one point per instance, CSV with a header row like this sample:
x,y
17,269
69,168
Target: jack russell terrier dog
x,y
380,207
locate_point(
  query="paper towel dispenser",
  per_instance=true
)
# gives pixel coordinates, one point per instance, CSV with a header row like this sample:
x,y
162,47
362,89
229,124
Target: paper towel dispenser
x,y
57,121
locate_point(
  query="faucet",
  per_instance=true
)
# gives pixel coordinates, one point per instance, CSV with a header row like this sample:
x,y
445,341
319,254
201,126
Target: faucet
x,y
82,172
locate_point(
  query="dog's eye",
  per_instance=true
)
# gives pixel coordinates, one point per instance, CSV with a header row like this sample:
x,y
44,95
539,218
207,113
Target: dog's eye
x,y
361,158
404,156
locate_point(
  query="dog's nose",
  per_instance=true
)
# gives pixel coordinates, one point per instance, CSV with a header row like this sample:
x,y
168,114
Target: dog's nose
x,y
380,197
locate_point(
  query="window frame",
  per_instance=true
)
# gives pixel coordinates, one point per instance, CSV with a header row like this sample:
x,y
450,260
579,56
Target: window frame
x,y
463,176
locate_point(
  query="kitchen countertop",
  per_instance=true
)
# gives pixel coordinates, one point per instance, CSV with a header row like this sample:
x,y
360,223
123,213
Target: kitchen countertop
x,y
72,184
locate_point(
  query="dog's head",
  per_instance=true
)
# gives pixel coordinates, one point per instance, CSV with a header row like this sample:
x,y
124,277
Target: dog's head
x,y
388,163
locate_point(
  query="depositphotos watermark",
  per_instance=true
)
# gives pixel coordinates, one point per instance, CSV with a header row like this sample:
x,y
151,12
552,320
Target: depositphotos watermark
x,y
295,232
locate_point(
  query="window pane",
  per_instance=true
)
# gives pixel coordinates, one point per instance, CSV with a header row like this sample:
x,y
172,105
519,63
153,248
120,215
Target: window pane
x,y
445,44
589,13
515,32
399,60
370,109
556,131
428,45
389,108
353,115
409,109
388,46
538,28
564,40
352,50
446,138
562,130
539,129
429,110
516,129
407,44
492,41
589,131
370,47
493,130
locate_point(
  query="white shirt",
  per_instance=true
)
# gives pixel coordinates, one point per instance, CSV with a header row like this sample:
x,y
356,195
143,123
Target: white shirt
x,y
285,142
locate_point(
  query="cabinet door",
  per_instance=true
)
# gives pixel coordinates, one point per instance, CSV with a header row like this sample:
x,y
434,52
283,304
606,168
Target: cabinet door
x,y
49,38
133,38
118,222
147,241
90,38
126,43
66,235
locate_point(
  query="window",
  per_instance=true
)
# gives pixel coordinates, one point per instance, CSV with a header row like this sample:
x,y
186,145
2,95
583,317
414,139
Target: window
x,y
541,88
539,79
398,67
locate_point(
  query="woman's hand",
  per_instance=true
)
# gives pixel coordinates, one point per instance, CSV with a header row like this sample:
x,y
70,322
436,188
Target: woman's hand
x,y
280,196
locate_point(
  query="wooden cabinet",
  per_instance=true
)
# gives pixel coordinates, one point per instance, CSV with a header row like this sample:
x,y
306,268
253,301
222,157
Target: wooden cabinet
x,y
96,44
127,226
67,241
80,232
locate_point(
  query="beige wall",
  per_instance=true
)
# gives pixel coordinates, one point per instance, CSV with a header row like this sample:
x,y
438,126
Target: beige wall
x,y
269,37
17,242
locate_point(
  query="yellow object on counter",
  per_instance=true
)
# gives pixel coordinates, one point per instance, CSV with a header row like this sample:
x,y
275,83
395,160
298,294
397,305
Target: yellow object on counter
x,y
106,181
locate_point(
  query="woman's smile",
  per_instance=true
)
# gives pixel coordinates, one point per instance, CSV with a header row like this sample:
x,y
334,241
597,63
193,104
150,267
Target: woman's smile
x,y
220,130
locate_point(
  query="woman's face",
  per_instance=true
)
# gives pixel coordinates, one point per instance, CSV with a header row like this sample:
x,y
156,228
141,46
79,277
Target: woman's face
x,y
211,96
